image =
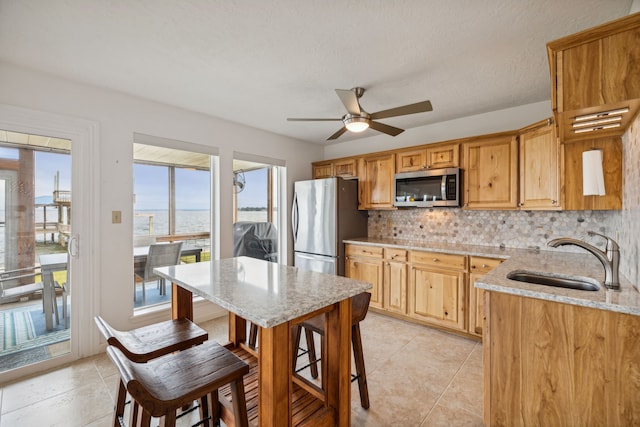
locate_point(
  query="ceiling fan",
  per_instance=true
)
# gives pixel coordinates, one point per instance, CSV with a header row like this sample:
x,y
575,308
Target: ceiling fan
x,y
239,181
358,120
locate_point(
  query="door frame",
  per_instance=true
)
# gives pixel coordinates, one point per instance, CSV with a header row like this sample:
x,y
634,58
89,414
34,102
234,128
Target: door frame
x,y
85,166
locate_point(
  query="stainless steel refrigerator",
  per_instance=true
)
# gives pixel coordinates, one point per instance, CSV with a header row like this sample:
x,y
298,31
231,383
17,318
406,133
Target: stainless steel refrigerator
x,y
324,213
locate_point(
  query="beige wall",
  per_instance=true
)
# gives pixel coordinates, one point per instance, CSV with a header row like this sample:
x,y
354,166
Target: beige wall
x,y
118,116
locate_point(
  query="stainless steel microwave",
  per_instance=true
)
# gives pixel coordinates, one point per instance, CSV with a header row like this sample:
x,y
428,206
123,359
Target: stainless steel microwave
x,y
428,188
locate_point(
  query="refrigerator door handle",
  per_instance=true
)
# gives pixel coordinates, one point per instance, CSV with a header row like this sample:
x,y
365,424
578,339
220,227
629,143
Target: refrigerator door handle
x,y
294,217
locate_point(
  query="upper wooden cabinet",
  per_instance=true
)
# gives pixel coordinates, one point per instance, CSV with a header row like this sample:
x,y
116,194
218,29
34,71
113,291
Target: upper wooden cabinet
x,y
322,169
376,181
595,77
612,168
539,167
443,156
345,168
411,160
491,173
436,157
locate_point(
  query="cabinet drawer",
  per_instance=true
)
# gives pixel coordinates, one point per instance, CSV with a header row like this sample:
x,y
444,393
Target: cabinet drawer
x,y
480,264
393,254
361,250
437,259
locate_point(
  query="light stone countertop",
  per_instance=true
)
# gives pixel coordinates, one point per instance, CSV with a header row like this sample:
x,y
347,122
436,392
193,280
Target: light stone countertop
x,y
627,300
262,292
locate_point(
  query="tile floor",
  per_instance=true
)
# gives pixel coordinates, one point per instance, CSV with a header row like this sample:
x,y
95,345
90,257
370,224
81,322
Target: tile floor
x,y
417,376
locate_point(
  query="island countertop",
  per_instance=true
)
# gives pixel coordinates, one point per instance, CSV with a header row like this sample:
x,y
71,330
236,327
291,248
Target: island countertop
x,y
264,293
626,300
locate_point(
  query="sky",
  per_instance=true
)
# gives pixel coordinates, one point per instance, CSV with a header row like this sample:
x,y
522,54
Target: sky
x,y
150,183
254,193
192,189
47,165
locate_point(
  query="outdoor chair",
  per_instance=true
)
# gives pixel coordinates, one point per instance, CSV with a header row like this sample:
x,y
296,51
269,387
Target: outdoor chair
x,y
12,287
160,255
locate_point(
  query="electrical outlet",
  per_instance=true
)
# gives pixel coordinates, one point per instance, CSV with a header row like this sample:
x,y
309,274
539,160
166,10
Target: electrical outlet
x,y
116,217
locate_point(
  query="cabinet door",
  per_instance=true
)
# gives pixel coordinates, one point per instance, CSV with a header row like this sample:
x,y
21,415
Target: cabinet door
x,y
476,306
322,170
346,168
478,267
491,173
603,71
539,171
377,182
443,156
411,160
437,296
367,270
395,287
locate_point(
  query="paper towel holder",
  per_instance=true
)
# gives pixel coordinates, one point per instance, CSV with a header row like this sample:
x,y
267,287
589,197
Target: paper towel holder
x,y
592,173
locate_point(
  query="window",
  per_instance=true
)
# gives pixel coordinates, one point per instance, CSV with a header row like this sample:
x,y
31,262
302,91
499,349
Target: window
x,y
259,224
172,203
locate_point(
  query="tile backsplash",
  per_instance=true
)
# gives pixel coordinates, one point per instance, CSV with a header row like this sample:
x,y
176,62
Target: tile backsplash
x,y
513,229
529,229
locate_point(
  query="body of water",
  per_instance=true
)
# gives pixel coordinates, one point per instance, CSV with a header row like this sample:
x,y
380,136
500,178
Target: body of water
x,y
147,222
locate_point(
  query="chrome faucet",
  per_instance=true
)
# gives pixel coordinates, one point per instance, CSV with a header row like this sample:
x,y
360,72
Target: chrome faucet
x,y
610,259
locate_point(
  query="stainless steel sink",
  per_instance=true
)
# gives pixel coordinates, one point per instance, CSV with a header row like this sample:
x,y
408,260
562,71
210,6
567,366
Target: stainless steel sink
x,y
556,280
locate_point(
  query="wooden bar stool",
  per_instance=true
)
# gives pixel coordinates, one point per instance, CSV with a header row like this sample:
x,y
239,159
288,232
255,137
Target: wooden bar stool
x,y
359,308
147,343
162,386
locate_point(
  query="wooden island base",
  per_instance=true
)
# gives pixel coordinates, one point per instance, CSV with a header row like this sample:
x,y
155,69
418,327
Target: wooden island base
x,y
307,410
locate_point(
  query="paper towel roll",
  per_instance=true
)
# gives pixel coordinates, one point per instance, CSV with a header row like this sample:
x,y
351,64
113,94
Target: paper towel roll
x,y
592,175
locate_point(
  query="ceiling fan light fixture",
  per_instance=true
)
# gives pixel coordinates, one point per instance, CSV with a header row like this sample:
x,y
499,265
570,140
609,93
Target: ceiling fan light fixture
x,y
355,123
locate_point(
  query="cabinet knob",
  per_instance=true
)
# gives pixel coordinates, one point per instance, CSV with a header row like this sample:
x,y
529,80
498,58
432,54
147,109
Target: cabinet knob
x,y
520,204
435,260
554,202
484,266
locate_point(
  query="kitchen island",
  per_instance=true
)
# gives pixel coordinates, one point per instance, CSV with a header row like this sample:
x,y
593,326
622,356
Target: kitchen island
x,y
556,356
275,297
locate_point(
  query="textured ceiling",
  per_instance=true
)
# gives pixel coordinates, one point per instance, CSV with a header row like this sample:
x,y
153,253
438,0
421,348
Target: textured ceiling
x,y
259,62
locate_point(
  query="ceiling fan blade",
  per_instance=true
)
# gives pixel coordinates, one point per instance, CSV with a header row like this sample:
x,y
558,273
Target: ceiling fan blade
x,y
389,130
312,120
337,134
350,101
418,107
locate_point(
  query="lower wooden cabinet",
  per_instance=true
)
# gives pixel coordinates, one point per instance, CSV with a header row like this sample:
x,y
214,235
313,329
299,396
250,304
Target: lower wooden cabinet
x,y
478,267
555,364
365,263
429,287
394,284
437,296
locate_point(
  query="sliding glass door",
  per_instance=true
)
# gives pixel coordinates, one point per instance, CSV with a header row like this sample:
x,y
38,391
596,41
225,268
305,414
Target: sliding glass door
x,y
35,233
